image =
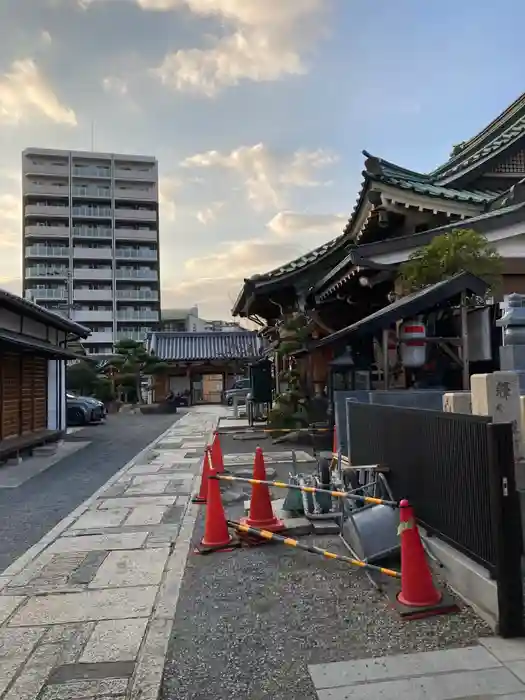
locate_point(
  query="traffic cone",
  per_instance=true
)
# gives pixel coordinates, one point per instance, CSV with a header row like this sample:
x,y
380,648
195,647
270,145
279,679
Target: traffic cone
x,y
217,458
203,490
418,596
216,534
261,512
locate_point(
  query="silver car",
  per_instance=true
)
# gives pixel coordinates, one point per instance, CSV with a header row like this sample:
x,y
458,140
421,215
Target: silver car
x,y
240,389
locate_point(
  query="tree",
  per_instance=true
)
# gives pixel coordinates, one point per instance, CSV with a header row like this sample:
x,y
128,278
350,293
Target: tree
x,y
240,355
132,358
461,250
81,377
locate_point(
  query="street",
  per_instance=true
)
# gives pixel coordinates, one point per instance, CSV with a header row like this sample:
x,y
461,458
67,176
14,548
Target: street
x,y
29,511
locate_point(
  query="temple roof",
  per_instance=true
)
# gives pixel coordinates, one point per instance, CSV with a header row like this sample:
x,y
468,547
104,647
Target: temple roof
x,y
498,136
379,170
289,271
452,188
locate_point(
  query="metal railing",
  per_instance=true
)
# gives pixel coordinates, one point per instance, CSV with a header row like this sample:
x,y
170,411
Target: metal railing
x,y
87,232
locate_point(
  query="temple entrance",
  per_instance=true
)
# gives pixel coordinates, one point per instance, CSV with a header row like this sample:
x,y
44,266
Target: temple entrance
x,y
208,388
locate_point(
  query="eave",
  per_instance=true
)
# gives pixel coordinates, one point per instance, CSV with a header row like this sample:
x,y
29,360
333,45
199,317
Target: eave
x,y
288,275
497,136
496,225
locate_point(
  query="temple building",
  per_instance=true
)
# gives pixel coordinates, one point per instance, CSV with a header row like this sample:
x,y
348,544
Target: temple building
x,y
481,187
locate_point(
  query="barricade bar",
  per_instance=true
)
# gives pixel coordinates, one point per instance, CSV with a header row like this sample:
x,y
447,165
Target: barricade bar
x,y
265,534
307,489
228,431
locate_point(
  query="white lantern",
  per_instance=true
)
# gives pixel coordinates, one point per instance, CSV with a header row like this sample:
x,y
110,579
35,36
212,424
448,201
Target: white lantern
x,y
412,339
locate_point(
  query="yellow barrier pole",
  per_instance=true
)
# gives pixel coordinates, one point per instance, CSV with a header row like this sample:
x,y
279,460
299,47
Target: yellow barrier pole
x,y
265,534
308,489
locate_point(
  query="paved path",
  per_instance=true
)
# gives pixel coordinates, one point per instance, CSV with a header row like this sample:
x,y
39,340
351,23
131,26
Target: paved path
x,y
87,611
28,510
494,668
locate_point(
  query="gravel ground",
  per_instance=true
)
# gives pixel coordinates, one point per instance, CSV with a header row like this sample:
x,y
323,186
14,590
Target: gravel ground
x,y
28,512
250,621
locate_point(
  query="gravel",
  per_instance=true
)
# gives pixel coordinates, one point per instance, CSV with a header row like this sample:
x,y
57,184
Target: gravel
x,y
250,621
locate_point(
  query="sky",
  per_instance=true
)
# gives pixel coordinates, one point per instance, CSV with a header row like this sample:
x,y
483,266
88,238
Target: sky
x,y
257,110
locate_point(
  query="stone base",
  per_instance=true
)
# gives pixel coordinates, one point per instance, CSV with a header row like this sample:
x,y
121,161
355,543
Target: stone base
x,y
326,527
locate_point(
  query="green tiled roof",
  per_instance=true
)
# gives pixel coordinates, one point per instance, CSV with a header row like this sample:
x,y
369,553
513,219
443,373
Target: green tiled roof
x,y
300,262
379,170
501,133
507,138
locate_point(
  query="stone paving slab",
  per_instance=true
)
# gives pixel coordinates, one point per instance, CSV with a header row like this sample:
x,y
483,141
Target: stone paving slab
x,y
87,611
494,668
246,458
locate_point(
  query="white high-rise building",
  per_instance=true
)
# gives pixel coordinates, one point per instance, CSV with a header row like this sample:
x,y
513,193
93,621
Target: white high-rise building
x,y
91,241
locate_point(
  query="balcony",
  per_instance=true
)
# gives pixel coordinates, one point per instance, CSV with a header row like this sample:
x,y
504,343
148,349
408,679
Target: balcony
x,y
39,272
46,251
137,194
92,212
92,295
100,337
58,293
144,174
138,316
130,254
46,210
30,168
92,232
92,192
47,231
131,234
139,336
46,189
131,273
137,295
87,317
89,273
136,214
84,253
92,171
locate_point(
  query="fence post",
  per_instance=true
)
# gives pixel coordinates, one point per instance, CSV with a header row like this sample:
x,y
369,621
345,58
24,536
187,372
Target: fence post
x,y
506,519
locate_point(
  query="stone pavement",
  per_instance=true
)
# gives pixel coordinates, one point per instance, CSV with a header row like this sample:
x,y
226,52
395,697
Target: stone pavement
x,y
494,668
87,612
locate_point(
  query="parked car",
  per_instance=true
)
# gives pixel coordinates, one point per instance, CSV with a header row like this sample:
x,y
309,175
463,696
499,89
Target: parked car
x,y
82,410
240,389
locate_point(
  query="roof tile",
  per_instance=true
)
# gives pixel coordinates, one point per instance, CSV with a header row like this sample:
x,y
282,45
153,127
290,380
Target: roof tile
x,y
187,347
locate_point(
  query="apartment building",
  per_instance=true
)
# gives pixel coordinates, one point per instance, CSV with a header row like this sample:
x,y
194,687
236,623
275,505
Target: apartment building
x,y
91,241
188,321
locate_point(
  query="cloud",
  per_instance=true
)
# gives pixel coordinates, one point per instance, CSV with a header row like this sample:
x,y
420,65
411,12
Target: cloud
x,y
213,281
289,223
268,41
115,85
209,214
266,172
10,238
45,38
24,91
168,189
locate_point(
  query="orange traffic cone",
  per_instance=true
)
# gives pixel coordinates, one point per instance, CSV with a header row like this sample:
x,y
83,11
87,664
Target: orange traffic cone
x,y
419,597
261,511
217,458
216,534
203,490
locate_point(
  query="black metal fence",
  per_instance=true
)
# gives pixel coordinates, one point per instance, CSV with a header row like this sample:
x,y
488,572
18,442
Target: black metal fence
x,y
458,473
